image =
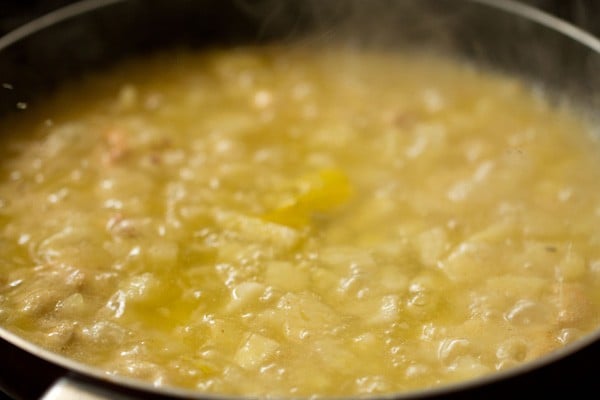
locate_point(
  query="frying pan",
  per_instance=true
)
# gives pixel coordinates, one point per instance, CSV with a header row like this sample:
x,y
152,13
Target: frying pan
x,y
91,35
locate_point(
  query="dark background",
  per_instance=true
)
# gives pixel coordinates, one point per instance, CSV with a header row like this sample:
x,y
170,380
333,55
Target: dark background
x,y
583,13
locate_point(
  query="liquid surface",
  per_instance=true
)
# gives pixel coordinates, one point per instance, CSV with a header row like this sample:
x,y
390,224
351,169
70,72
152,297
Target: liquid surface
x,y
285,222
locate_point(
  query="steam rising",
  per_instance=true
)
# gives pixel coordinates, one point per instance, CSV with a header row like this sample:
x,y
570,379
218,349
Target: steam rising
x,y
502,35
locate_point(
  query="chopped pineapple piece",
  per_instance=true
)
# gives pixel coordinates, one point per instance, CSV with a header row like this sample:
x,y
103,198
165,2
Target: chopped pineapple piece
x,y
571,267
286,276
255,350
255,229
319,193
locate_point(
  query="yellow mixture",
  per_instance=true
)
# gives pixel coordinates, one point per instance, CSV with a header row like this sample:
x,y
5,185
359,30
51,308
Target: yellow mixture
x,y
299,222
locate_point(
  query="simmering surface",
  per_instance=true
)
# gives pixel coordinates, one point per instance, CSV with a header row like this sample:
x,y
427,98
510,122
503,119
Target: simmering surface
x,y
293,222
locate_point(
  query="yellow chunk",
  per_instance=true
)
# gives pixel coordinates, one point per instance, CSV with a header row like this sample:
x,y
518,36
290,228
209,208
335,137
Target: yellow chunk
x,y
255,351
321,192
572,267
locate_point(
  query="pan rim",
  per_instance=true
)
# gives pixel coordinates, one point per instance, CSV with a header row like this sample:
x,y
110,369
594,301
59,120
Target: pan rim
x,y
85,371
